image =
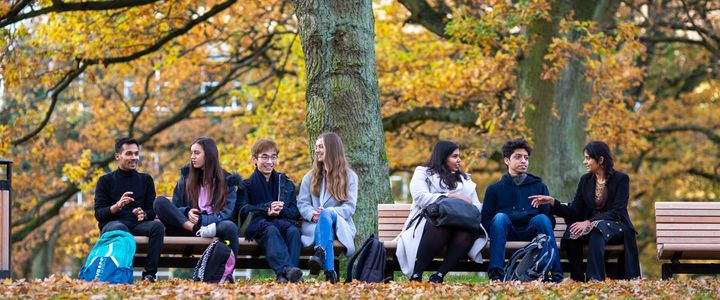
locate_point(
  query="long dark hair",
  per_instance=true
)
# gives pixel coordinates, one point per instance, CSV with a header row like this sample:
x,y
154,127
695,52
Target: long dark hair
x,y
597,149
438,164
211,175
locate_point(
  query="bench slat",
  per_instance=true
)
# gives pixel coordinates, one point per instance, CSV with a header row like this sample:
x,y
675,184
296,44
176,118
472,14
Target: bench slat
x,y
688,240
688,212
687,219
687,205
688,233
687,226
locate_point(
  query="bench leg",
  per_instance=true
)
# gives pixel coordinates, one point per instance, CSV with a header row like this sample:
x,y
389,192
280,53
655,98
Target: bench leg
x,y
667,272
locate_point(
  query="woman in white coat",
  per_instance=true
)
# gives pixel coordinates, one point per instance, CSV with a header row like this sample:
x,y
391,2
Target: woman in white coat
x,y
440,178
328,195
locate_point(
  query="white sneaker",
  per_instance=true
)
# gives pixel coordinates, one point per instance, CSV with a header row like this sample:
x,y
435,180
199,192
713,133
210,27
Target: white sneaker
x,y
206,231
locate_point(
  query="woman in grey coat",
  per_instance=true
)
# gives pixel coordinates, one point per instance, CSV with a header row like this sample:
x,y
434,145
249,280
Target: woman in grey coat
x,y
328,195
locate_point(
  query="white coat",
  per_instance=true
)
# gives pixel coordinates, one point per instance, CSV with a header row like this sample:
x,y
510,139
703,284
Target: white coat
x,y
308,203
426,189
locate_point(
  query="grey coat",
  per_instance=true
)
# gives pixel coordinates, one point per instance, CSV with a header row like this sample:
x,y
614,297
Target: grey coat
x,y
308,203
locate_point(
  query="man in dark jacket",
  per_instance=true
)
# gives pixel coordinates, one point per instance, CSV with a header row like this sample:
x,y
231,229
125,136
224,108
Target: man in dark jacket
x,y
124,201
272,202
507,213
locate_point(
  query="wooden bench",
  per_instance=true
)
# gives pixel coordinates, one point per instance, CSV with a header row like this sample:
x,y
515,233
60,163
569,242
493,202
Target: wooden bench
x,y
183,252
391,218
688,235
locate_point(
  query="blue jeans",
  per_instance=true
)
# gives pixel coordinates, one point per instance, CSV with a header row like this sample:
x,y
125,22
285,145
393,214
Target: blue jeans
x,y
502,230
325,235
282,249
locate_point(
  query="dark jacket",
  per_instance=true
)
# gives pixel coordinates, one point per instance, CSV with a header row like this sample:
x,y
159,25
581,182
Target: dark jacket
x,y
258,206
506,197
615,209
111,186
184,203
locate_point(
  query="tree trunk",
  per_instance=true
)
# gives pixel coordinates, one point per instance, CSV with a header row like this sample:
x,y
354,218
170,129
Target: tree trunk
x,y
558,141
342,94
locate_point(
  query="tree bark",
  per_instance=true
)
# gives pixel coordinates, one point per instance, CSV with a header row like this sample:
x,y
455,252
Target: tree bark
x,y
342,94
559,140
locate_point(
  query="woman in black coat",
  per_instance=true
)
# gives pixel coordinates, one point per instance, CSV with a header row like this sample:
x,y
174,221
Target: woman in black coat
x,y
597,216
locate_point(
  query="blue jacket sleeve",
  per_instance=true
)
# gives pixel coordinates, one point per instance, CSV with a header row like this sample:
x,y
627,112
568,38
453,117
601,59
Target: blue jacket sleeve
x,y
243,198
290,209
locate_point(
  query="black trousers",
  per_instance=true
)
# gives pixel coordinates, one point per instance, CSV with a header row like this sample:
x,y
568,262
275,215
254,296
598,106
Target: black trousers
x,y
596,254
173,219
151,229
456,243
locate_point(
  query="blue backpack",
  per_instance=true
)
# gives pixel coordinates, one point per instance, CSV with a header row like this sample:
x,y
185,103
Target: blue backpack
x,y
531,262
111,258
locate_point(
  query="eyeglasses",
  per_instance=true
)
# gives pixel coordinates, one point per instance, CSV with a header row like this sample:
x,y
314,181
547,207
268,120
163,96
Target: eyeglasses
x,y
268,157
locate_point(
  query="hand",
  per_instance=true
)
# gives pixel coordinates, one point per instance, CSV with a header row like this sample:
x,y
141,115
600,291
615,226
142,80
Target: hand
x,y
538,200
316,215
124,200
140,213
460,196
579,227
194,215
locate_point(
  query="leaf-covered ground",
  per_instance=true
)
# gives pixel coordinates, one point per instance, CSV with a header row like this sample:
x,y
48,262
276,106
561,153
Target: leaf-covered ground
x,y
65,288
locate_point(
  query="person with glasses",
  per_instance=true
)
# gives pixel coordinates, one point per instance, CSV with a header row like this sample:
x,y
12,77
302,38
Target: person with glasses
x,y
328,195
272,208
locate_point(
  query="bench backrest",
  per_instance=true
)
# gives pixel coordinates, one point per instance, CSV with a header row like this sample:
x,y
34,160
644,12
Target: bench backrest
x,y
391,218
690,229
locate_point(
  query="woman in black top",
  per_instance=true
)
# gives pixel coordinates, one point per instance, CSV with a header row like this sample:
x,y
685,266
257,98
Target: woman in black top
x,y
597,216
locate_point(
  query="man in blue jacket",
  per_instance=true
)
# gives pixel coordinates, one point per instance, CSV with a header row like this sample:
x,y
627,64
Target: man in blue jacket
x,y
507,213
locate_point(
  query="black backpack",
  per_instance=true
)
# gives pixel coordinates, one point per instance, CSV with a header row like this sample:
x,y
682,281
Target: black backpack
x,y
216,264
532,261
370,262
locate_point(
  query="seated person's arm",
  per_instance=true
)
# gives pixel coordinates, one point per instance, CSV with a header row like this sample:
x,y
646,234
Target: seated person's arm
x,y
347,208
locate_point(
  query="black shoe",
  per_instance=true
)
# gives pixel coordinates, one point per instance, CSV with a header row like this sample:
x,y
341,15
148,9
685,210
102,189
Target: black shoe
x,y
495,275
280,278
331,276
316,261
150,278
436,278
416,277
293,274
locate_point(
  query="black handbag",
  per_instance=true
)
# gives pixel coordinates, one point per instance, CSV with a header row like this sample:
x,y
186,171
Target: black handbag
x,y
454,213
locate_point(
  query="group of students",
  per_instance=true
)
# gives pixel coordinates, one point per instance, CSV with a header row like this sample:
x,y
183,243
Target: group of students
x,y
517,208
207,201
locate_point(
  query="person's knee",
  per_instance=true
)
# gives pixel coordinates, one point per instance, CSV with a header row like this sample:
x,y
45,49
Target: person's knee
x,y
542,223
161,201
271,232
500,219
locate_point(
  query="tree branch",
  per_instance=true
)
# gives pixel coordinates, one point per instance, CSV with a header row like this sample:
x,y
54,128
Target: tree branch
x,y
712,136
422,13
14,16
136,115
84,63
54,94
462,117
29,224
708,176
